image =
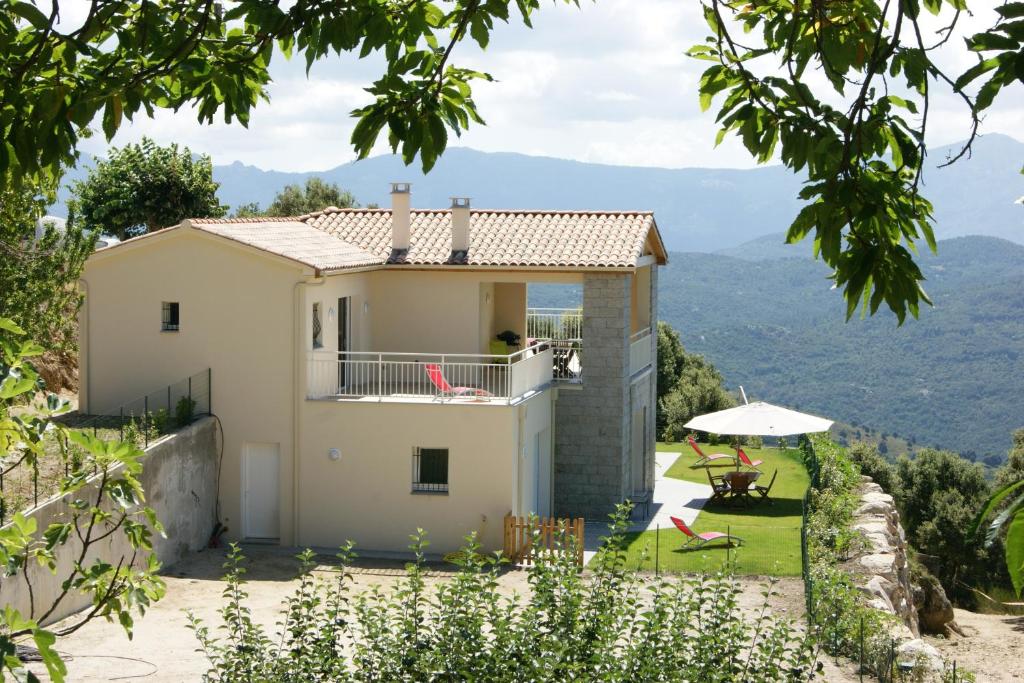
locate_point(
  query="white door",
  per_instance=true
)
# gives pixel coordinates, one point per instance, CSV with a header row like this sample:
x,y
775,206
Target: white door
x,y
544,473
261,464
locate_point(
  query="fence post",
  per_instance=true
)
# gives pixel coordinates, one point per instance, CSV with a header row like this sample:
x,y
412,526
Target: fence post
x,y
657,549
35,484
861,669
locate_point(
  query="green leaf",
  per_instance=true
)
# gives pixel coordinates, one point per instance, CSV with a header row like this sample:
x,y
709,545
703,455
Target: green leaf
x,y
31,14
992,503
1015,552
10,326
44,641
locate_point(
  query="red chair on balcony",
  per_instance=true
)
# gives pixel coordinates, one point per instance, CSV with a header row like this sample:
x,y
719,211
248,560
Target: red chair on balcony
x,y
446,389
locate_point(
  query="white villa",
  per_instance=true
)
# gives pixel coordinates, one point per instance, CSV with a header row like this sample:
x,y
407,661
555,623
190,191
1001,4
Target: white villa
x,y
379,370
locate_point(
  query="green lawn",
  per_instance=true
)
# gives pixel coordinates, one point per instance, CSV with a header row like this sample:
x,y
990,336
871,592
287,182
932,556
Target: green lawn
x,y
771,533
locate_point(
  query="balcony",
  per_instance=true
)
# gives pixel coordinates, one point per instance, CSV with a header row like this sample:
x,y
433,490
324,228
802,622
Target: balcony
x,y
461,378
562,329
641,351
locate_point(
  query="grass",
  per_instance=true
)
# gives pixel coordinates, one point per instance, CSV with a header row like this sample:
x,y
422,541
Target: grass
x,y
771,533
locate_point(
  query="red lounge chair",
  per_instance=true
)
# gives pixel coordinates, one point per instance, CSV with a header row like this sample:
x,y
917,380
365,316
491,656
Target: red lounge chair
x,y
701,539
745,459
438,380
704,459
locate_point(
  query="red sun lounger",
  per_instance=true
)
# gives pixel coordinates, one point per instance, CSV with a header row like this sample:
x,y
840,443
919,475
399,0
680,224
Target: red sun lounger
x,y
745,459
701,539
438,380
705,459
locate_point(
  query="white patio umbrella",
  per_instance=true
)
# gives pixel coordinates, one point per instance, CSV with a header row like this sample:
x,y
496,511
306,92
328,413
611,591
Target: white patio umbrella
x,y
759,419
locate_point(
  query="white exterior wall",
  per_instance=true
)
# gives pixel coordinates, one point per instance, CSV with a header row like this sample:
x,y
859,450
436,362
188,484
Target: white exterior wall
x,y
237,315
366,495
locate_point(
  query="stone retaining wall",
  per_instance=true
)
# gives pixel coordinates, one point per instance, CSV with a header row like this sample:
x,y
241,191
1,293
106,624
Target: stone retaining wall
x,y
882,571
179,477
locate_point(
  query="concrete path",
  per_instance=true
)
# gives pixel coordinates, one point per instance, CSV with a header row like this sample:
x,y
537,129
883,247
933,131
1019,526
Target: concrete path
x,y
672,498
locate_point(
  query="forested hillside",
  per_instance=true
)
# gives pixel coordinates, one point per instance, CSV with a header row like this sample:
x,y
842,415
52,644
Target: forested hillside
x,y
951,379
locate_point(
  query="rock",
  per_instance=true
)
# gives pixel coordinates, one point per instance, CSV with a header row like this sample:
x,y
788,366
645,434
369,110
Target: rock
x,y
920,653
880,590
880,564
934,611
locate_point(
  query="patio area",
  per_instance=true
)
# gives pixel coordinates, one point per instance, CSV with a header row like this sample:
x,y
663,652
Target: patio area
x,y
770,531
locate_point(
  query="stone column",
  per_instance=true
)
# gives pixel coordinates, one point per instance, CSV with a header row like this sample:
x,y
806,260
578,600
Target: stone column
x,y
592,430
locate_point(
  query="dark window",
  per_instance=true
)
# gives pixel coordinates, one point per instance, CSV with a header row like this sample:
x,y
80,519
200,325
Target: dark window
x,y
318,328
430,470
169,318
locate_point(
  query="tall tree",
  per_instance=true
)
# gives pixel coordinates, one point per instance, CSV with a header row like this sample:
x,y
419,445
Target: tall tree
x,y
851,135
316,195
688,385
145,187
38,275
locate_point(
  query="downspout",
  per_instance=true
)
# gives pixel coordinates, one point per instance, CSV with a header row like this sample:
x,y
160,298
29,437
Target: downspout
x,y
298,330
84,378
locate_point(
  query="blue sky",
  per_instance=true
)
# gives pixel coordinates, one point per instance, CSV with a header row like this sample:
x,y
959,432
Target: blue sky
x,y
606,82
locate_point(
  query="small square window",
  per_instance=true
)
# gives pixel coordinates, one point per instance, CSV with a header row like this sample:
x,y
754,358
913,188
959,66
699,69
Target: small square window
x,y
318,328
430,470
169,317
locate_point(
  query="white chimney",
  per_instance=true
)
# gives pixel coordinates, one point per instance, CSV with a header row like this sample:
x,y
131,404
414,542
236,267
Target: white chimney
x,y
400,216
460,224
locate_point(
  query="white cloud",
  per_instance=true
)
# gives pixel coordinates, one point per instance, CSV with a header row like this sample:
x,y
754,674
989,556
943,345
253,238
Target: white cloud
x,y
606,82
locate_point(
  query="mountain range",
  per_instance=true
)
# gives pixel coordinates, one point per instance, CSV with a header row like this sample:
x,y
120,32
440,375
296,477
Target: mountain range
x,y
698,209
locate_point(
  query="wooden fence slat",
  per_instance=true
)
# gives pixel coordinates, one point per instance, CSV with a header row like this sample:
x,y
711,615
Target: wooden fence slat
x,y
523,539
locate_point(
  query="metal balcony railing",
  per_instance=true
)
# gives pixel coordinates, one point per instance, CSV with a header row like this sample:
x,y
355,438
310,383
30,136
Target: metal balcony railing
x,y
442,377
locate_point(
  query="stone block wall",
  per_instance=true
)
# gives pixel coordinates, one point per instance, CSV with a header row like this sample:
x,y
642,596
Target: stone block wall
x,y
593,419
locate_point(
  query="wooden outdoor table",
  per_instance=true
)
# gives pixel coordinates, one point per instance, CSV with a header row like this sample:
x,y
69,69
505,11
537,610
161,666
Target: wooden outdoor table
x,y
739,484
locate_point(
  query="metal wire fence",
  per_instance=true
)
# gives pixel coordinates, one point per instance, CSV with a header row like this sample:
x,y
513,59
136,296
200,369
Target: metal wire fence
x,y
24,482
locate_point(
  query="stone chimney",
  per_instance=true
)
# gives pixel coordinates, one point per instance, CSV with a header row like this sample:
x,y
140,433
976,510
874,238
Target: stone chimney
x,y
460,224
400,216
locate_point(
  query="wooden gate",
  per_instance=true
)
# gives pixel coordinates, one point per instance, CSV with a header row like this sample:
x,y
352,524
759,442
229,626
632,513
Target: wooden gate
x,y
525,536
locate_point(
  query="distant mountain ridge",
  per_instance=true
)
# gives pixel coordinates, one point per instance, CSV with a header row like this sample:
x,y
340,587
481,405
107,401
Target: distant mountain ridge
x,y
697,209
950,379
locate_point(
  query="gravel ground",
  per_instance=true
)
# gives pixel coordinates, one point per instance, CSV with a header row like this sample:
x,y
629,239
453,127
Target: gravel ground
x,y
163,649
993,646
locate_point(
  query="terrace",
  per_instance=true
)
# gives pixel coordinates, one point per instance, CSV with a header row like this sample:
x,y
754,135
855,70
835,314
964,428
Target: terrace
x,y
476,378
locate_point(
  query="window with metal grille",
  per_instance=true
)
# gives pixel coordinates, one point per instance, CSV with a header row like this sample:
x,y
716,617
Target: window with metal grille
x,y
169,317
430,470
318,328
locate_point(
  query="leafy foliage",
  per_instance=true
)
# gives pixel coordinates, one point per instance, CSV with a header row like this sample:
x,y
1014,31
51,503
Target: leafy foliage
x,y
612,625
316,195
38,277
105,499
1005,509
145,187
688,386
939,496
852,132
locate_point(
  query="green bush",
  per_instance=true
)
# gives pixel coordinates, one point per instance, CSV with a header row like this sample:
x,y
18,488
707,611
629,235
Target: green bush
x,y
610,626
184,411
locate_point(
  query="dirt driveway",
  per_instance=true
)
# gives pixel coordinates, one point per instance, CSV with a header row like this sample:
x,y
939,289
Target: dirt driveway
x,y
164,649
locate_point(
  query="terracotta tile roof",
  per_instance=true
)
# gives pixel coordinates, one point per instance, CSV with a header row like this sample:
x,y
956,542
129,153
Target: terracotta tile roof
x,y
292,239
335,239
571,239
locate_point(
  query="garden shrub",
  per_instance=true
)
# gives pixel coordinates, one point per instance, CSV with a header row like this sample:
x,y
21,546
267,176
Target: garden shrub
x,y
609,625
